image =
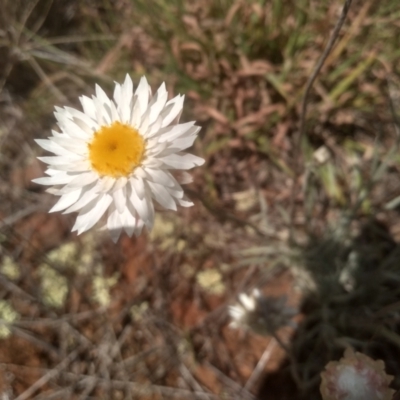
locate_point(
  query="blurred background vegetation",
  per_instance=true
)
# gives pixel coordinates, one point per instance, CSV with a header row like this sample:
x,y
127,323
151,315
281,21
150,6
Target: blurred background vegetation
x,y
82,318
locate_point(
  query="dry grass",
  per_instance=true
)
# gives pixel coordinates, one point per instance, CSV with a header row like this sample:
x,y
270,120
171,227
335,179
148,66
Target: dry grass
x,y
82,318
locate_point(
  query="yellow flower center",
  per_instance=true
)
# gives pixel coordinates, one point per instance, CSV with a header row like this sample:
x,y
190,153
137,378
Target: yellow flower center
x,y
116,150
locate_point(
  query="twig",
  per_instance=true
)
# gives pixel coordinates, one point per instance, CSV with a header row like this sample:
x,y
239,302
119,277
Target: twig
x,y
189,378
89,385
224,215
293,366
12,219
12,287
303,112
320,63
39,322
389,335
46,80
261,364
243,392
50,350
48,376
133,360
396,119
115,351
64,393
138,388
142,389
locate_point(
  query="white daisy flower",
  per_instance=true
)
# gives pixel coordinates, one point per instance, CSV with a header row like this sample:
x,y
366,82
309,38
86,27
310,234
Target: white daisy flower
x,y
116,157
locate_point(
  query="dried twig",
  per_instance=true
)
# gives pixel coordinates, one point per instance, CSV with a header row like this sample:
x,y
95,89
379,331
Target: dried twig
x,y
137,388
12,219
261,364
236,388
48,376
303,112
293,365
189,378
394,97
223,215
49,349
319,65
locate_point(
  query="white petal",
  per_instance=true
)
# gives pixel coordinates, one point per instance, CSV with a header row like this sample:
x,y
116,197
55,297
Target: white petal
x,y
120,183
73,145
119,197
182,161
58,134
185,202
126,99
173,132
83,179
174,184
66,200
127,88
82,120
104,184
53,190
114,224
185,178
139,173
61,160
115,234
162,196
173,147
154,145
67,189
103,117
154,129
72,129
184,143
129,222
117,93
135,114
86,221
152,162
61,179
101,96
143,93
144,207
160,176
60,111
114,113
88,106
139,227
177,193
144,125
51,171
172,110
86,198
75,166
53,147
156,108
89,129
138,186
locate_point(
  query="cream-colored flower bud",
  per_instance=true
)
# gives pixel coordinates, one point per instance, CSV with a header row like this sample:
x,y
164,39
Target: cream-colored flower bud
x,y
356,377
